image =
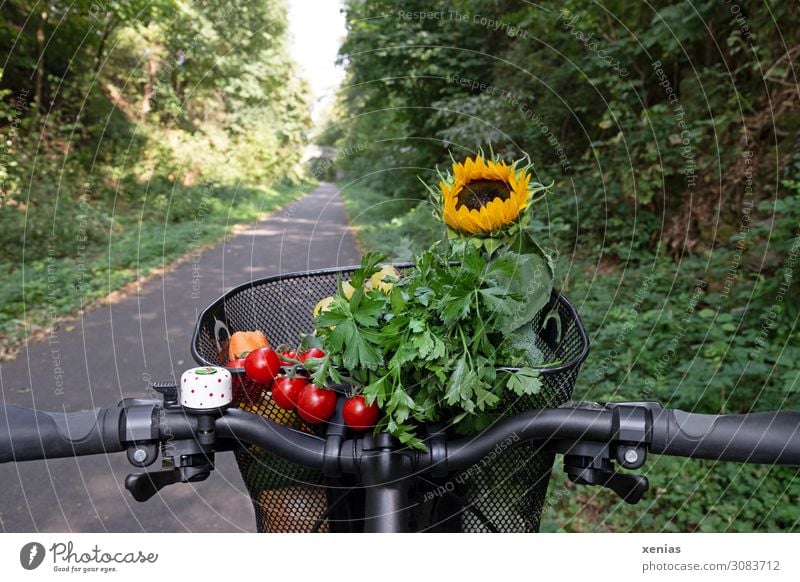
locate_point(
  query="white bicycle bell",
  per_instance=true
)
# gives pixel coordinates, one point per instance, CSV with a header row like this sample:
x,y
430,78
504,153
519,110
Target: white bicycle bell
x,y
206,388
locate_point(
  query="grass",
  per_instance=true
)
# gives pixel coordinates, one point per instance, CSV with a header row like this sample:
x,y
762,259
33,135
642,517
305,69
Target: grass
x,y
136,242
395,227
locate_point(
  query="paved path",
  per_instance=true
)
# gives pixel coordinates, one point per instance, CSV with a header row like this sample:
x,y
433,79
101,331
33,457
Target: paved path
x,y
113,351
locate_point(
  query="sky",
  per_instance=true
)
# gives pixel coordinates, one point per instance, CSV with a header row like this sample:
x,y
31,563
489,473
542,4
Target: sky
x,y
317,29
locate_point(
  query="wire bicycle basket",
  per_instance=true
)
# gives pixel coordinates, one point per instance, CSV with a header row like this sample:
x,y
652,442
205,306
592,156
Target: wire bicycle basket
x,y
503,493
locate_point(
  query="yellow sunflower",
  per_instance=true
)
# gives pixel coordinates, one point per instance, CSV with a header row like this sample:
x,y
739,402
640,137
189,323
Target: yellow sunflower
x,y
484,196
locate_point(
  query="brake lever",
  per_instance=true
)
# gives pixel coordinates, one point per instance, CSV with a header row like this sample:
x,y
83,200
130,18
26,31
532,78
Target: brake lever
x,y
143,486
629,487
184,461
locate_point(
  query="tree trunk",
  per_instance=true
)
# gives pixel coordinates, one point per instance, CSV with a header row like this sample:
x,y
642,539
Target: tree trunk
x,y
39,74
150,85
108,27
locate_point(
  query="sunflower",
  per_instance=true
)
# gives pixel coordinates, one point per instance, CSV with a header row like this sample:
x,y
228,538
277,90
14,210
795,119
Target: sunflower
x,y
484,196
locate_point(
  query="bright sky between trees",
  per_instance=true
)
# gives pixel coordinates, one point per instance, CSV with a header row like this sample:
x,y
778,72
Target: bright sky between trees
x,y
317,28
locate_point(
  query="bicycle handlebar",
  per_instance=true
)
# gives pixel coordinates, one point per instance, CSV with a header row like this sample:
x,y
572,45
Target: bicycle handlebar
x,y
568,424
27,435
758,437
766,437
287,443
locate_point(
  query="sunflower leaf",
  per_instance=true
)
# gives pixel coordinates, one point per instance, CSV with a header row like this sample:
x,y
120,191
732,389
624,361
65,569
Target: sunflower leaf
x,y
529,280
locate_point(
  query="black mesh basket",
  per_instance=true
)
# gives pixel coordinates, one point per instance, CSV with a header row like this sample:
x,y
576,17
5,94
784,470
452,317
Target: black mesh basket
x,y
504,492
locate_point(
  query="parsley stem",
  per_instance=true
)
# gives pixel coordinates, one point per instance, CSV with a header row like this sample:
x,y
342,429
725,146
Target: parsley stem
x,y
464,343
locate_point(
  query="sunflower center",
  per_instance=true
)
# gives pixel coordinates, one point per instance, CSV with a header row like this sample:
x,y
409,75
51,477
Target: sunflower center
x,y
479,193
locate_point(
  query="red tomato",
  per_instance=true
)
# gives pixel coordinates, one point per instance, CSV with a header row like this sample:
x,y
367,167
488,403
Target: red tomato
x,y
237,363
241,385
357,415
237,380
286,391
316,405
262,365
312,353
291,354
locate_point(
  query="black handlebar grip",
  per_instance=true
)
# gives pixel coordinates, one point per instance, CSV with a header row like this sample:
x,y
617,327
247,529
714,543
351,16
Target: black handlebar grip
x,y
759,437
28,435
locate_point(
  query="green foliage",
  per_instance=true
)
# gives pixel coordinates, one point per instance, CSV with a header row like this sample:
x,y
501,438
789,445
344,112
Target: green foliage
x,y
429,349
123,123
685,343
678,245
588,95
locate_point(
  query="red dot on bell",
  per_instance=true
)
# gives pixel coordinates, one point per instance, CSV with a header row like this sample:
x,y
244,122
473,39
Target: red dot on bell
x,y
219,379
192,390
211,394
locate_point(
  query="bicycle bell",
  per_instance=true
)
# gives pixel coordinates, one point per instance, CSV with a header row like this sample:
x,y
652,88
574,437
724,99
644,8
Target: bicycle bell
x,y
205,389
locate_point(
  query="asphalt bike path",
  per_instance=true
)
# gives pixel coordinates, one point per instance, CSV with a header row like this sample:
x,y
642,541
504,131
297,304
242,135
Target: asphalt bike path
x,y
115,351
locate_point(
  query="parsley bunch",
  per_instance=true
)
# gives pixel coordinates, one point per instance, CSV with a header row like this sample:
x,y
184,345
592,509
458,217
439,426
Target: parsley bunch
x,y
438,345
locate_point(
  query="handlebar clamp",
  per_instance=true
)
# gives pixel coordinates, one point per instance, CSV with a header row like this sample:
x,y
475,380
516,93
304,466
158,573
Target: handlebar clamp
x,y
591,462
631,425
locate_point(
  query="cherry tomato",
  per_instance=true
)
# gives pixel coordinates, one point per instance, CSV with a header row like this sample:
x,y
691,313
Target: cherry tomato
x,y
262,365
286,391
316,405
237,380
291,354
357,415
241,385
237,363
312,353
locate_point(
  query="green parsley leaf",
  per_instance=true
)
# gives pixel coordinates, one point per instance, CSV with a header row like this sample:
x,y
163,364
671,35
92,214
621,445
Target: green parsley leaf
x,y
525,382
